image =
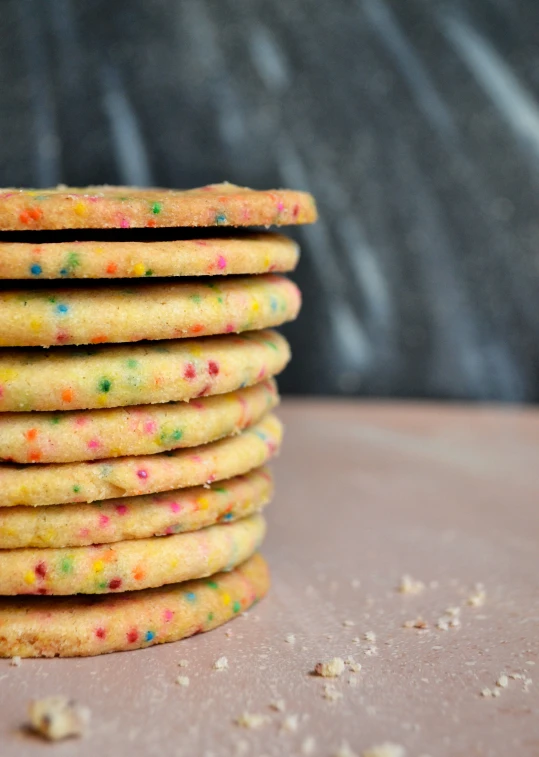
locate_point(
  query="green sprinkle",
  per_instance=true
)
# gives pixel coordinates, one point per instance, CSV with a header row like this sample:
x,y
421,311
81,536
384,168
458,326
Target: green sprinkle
x,y
236,606
73,260
132,363
156,208
212,584
220,489
210,617
76,488
66,566
105,385
196,298
55,420
149,272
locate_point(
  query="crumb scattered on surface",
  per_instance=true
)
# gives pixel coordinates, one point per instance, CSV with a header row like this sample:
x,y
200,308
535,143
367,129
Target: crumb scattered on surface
x,y
183,663
57,717
478,597
182,680
371,651
409,585
369,636
290,724
308,745
353,681
388,749
453,611
354,667
15,662
278,705
330,668
221,664
345,751
290,638
417,623
503,681
348,623
229,633
252,720
331,693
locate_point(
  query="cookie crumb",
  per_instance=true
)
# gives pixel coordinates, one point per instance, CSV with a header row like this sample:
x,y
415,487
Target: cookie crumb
x,y
409,585
388,749
290,638
252,720
221,664
183,663
503,681
278,705
369,636
182,680
290,724
330,669
229,633
486,692
308,745
354,667
417,623
453,611
331,693
371,651
353,681
478,597
344,751
15,662
57,717
348,623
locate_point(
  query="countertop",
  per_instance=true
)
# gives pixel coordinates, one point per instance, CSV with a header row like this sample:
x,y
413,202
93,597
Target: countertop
x,y
367,493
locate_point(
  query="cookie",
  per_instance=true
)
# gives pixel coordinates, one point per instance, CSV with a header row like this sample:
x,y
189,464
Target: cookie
x,y
109,207
85,314
129,476
113,520
77,378
247,254
130,565
75,436
85,626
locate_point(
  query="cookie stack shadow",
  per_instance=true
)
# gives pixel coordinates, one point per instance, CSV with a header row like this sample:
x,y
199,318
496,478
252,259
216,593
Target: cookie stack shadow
x,y
137,389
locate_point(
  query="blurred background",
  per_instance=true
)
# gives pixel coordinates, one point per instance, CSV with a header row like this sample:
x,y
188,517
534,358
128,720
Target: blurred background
x,y
415,124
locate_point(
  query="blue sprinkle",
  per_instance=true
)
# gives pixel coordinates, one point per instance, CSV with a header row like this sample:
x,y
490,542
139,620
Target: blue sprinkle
x,y
221,218
228,516
190,596
36,269
62,308
274,303
150,635
64,272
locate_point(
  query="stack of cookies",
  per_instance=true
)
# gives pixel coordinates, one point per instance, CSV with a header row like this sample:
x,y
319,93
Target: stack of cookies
x,y
136,396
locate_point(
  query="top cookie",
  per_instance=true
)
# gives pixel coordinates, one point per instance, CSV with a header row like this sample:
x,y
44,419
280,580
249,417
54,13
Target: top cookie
x,y
108,207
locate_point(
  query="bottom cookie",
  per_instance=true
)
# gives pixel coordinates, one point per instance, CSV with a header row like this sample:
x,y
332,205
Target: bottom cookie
x,y
83,626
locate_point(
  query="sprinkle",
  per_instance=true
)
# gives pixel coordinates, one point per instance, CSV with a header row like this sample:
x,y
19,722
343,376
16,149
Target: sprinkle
x,y
221,664
182,680
252,720
36,269
330,669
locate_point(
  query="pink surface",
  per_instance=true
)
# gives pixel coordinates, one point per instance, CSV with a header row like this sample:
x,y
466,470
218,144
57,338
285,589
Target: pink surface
x,y
366,493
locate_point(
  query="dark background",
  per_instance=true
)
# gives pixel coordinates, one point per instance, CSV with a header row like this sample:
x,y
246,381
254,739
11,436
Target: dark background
x,y
414,122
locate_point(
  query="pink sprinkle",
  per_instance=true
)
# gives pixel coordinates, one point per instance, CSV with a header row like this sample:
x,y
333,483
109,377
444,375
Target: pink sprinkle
x,y
229,328
196,458
1,392
94,444
81,420
168,615
104,520
150,427
295,211
280,206
142,473
84,532
198,405
211,478
121,509
175,507
100,633
221,262
201,242
124,223
261,373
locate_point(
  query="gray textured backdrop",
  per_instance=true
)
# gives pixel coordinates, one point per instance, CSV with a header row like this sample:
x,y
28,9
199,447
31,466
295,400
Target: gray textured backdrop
x,y
415,124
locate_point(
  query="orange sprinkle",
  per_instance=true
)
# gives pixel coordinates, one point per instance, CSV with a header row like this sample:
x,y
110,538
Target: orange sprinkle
x,y
112,268
99,339
197,328
24,217
35,213
34,456
67,395
151,223
31,434
138,573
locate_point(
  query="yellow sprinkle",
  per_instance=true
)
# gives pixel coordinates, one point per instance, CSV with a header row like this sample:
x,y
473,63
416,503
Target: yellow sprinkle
x,y
30,577
115,452
139,269
80,209
267,261
7,374
226,598
35,324
255,306
195,350
99,250
203,503
102,400
99,566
